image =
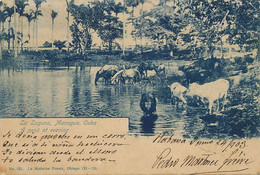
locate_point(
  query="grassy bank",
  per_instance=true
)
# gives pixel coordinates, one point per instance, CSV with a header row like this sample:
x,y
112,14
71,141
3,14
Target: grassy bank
x,y
57,58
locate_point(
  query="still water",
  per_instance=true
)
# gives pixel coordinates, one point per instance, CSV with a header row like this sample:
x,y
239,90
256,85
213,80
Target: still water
x,y
59,92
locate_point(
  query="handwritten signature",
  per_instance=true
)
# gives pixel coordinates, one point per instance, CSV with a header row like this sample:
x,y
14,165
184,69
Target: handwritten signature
x,y
166,160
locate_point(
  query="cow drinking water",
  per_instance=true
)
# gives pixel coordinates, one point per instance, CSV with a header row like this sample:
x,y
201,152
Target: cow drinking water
x,y
212,92
107,72
177,92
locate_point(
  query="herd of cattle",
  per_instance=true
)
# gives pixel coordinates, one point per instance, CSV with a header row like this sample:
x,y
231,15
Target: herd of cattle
x,y
204,81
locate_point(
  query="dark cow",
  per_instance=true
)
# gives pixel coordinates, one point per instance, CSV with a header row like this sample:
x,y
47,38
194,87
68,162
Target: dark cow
x,y
143,67
107,72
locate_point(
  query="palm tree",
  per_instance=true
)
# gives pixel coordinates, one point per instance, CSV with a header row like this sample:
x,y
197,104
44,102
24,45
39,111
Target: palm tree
x,y
120,8
53,16
3,15
21,4
30,17
37,13
9,12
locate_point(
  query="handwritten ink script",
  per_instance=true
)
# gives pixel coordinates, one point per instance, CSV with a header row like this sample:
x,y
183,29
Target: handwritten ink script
x,y
104,146
224,155
61,145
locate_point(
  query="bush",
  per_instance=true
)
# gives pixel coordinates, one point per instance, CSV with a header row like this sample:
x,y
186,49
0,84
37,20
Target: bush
x,y
242,114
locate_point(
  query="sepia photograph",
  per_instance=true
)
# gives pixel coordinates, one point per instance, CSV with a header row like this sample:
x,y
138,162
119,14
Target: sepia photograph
x,y
182,68
188,67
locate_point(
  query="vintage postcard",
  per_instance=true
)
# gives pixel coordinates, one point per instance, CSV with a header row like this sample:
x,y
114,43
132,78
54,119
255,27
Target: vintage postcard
x,y
129,87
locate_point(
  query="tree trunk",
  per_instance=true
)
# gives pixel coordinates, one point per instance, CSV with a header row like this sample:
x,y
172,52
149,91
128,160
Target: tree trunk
x,y
21,33
9,39
15,34
33,37
133,24
1,57
68,23
18,30
3,29
36,35
29,34
142,17
52,28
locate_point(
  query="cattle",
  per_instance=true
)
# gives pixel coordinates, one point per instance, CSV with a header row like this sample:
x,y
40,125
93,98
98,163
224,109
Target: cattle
x,y
177,92
144,67
131,75
212,92
202,71
107,72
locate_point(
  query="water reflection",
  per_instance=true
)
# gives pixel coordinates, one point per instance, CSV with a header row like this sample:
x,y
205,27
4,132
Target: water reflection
x,y
148,123
62,92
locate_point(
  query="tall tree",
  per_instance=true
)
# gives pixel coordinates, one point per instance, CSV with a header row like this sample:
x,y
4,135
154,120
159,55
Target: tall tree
x,y
38,13
54,14
244,23
21,4
68,3
207,19
9,12
142,19
85,22
133,4
109,27
30,17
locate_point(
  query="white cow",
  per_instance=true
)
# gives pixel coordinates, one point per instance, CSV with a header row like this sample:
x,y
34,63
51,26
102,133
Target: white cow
x,y
126,74
213,91
177,91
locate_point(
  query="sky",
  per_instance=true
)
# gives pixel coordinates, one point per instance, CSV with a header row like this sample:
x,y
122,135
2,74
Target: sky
x,y
60,22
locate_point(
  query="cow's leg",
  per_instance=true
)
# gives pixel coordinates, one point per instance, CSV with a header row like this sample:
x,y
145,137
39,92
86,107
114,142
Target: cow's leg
x,y
224,100
183,99
218,104
204,103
